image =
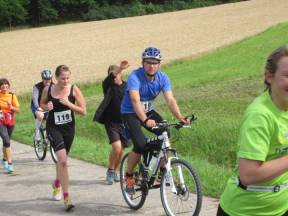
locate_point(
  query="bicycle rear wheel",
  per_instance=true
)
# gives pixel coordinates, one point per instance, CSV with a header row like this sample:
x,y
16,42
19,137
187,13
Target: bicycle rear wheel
x,y
40,146
180,190
136,200
53,154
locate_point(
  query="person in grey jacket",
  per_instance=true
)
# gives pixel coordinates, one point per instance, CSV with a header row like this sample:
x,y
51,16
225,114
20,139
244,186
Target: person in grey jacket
x,y
108,113
37,111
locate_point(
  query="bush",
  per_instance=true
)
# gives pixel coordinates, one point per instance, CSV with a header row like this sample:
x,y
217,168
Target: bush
x,y
93,14
152,9
105,12
137,9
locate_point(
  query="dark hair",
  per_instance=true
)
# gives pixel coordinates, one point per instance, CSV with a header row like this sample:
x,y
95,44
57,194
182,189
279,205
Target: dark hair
x,y
4,81
60,69
272,61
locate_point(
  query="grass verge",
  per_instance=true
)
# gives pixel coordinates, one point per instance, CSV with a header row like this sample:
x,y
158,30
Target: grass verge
x,y
217,87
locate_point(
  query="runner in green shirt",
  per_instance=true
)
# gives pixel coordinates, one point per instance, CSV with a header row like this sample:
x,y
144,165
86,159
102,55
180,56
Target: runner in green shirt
x,y
260,183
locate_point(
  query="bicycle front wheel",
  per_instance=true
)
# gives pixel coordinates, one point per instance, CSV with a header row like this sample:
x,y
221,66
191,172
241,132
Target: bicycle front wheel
x,y
180,190
40,146
53,154
134,201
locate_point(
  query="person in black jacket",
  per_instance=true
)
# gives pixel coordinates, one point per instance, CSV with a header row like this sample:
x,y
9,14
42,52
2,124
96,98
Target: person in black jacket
x,y
108,113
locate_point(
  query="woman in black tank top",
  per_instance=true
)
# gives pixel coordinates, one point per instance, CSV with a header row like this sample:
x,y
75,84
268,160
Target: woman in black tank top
x,y
62,100
61,116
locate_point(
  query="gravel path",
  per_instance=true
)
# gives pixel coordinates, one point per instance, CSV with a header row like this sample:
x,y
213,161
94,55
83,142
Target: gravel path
x,y
28,192
88,48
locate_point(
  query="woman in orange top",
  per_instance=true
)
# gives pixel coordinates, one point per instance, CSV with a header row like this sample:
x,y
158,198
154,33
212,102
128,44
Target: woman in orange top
x,y
8,106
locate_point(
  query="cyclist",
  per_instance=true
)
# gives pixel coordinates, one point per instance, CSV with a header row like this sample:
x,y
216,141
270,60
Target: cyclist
x,y
37,111
143,86
62,99
259,185
8,106
109,114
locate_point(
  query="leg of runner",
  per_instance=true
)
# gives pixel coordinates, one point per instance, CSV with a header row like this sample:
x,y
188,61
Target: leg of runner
x,y
62,169
114,160
62,175
5,133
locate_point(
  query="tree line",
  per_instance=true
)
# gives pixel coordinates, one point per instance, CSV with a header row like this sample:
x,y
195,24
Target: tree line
x,y
15,13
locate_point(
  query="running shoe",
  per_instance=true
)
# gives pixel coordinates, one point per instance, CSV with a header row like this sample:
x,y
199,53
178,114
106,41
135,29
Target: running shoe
x,y
68,204
116,177
110,176
130,183
57,193
5,165
10,169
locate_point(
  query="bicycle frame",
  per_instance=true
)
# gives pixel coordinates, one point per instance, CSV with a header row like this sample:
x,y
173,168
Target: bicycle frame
x,y
44,133
163,156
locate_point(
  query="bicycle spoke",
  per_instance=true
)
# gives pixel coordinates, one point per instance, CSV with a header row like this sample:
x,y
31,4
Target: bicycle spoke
x,y
183,195
40,146
136,200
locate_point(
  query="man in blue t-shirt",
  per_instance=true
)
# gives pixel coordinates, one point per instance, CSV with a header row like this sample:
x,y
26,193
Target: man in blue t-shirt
x,y
143,86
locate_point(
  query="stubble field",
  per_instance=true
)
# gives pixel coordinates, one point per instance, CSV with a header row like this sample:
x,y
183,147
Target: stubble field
x,y
88,48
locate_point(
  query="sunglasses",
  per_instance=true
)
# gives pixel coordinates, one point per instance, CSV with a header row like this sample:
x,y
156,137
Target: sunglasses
x,y
152,62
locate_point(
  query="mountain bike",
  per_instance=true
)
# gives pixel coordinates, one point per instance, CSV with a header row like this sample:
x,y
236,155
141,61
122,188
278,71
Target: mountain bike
x,y
41,146
180,188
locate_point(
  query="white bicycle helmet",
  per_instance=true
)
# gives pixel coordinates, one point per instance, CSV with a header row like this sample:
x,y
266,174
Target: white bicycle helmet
x,y
151,53
46,74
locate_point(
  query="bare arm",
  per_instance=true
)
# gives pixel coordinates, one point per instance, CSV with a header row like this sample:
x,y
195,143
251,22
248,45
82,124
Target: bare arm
x,y
109,80
44,99
135,99
80,106
172,104
252,171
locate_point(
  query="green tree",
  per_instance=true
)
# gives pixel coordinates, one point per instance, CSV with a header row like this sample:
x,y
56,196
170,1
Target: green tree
x,y
41,11
12,12
73,9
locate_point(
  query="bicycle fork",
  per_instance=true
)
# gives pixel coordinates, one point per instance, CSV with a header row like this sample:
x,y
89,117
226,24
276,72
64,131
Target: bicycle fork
x,y
169,176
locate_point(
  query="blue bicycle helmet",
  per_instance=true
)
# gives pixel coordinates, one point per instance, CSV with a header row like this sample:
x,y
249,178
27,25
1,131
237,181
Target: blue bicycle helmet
x,y
151,53
46,74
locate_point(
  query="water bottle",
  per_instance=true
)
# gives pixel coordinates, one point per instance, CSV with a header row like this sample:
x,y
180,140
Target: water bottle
x,y
153,162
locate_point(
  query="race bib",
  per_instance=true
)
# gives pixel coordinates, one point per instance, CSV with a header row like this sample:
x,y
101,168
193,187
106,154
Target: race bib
x,y
147,105
62,117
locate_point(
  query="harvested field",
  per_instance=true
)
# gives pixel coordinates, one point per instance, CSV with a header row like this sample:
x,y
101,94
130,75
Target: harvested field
x,y
88,48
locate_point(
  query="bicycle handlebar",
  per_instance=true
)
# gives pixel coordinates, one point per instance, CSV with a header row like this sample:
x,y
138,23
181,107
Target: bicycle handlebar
x,y
177,125
44,111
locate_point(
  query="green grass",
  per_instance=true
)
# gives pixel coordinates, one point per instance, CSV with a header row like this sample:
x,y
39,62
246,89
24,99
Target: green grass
x,y
216,86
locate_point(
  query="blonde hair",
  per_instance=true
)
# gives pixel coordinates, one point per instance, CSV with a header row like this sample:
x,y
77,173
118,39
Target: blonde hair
x,y
60,69
112,68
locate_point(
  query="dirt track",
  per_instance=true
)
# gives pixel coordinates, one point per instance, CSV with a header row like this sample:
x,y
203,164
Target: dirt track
x,y
88,48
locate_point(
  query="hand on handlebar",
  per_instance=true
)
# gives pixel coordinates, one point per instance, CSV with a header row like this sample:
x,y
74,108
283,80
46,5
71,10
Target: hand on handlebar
x,y
150,123
185,121
39,109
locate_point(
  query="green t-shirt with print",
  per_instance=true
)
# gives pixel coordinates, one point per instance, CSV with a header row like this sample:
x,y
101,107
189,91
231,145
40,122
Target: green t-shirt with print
x,y
263,137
